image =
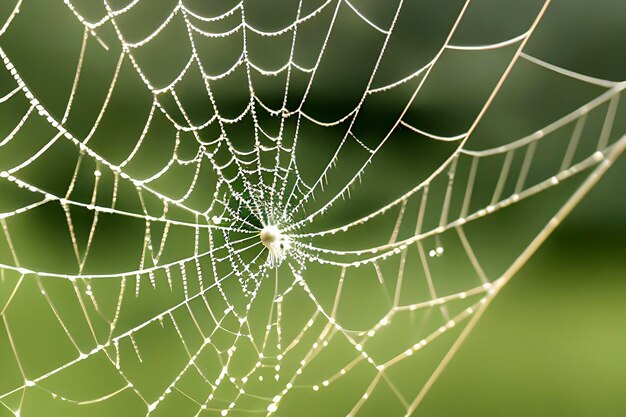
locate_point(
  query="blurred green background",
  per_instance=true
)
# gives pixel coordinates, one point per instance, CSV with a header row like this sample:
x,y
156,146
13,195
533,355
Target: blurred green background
x,y
552,343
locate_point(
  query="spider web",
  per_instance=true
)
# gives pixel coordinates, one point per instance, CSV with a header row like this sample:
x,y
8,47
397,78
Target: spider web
x,y
131,224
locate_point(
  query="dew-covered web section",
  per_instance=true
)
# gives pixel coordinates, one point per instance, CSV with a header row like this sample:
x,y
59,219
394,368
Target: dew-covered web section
x,y
194,237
